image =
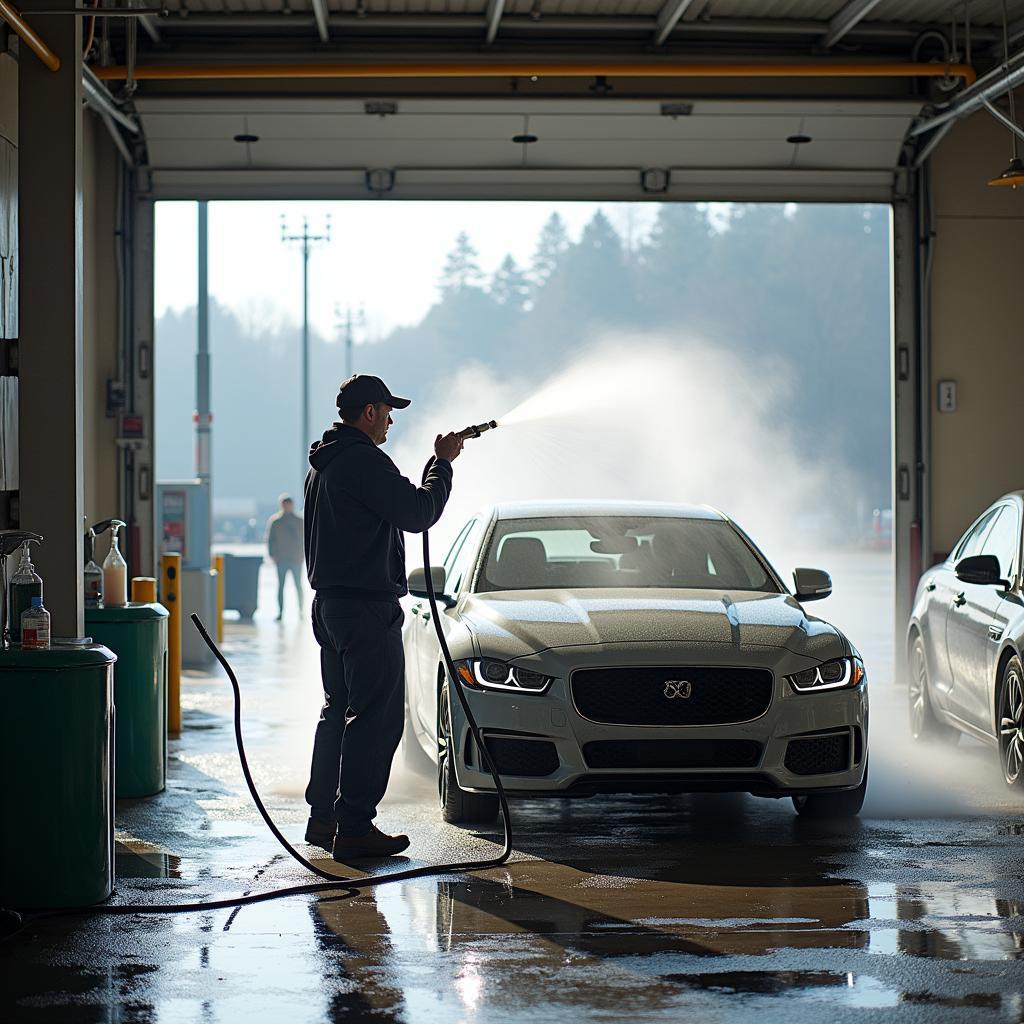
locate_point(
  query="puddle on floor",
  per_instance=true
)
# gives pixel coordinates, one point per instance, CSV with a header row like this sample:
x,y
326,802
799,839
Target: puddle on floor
x,y
833,986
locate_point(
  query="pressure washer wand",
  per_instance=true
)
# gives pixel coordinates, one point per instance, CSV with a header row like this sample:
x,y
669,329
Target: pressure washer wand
x,y
477,430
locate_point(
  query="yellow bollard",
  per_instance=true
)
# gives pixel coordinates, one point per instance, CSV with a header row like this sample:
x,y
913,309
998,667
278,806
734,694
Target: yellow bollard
x,y
143,590
170,586
218,564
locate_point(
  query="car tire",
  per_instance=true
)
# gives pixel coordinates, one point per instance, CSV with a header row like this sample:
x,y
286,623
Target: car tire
x,y
1010,722
924,725
457,806
833,805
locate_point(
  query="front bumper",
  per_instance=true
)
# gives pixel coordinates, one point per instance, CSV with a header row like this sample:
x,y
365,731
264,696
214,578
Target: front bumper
x,y
544,746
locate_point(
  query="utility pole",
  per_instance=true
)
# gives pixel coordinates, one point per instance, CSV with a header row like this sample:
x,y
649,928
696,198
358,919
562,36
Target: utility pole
x,y
203,416
306,241
348,326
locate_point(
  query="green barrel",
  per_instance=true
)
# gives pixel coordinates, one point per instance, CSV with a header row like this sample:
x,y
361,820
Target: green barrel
x,y
57,772
137,634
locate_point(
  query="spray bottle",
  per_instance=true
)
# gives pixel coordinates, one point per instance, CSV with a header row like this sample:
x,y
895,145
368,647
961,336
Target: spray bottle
x,y
115,570
92,574
26,584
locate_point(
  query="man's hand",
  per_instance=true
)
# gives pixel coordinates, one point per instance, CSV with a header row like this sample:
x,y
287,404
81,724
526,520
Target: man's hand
x,y
448,446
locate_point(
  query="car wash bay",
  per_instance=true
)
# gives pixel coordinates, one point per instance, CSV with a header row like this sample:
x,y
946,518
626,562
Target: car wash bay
x,y
646,905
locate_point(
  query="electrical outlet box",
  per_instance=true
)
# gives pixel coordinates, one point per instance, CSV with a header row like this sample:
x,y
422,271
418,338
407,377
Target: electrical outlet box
x,y
947,396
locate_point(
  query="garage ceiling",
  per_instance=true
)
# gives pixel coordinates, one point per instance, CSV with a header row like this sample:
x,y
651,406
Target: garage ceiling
x,y
593,137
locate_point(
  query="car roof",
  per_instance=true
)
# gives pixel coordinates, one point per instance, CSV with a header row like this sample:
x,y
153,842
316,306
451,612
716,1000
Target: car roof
x,y
573,507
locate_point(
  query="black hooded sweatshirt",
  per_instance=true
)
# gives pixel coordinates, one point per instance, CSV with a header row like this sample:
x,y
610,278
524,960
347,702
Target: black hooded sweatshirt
x,y
356,506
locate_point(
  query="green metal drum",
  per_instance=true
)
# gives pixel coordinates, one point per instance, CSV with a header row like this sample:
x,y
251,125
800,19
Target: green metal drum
x,y
57,776
137,634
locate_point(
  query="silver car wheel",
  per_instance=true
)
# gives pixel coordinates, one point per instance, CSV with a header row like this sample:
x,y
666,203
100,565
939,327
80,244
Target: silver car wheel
x,y
444,732
1011,723
917,688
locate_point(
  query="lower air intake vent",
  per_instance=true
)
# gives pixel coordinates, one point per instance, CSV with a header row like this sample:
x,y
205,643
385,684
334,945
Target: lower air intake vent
x,y
672,754
530,758
819,755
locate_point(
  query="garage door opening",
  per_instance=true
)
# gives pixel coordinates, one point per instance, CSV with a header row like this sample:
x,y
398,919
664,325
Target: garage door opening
x,y
736,355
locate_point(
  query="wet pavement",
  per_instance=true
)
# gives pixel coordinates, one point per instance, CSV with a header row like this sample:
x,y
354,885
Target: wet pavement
x,y
647,908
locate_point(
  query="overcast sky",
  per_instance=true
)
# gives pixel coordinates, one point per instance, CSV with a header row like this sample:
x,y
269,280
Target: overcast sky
x,y
384,256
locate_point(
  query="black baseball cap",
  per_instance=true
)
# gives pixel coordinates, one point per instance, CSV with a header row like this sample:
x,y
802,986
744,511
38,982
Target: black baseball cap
x,y
362,389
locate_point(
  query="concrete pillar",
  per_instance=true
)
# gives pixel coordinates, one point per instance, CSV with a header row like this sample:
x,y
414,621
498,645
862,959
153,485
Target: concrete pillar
x,y
50,305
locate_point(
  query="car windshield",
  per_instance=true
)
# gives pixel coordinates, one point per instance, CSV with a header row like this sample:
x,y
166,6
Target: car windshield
x,y
620,551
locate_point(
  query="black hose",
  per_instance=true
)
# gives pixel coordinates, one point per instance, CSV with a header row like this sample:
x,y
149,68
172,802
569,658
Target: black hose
x,y
333,882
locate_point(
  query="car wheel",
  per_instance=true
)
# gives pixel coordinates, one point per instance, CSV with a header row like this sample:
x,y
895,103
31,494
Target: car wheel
x,y
833,805
457,806
1011,722
924,726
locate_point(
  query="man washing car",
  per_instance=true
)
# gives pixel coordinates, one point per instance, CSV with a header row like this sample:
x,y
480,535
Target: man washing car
x,y
357,506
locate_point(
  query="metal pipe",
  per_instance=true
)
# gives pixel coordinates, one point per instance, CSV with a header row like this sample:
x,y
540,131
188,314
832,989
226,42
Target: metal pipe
x,y
99,99
932,144
1004,78
1003,119
444,69
28,35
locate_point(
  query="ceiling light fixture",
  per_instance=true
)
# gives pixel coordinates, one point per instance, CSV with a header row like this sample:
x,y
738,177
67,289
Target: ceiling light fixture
x,y
1012,176
525,139
245,137
799,140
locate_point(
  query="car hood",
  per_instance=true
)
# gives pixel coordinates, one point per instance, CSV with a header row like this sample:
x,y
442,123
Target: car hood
x,y
509,624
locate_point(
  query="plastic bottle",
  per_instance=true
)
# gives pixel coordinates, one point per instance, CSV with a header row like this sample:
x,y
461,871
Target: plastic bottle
x,y
25,585
115,573
35,627
92,574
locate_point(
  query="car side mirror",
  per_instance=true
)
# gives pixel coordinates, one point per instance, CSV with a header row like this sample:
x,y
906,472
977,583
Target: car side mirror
x,y
981,569
418,584
812,584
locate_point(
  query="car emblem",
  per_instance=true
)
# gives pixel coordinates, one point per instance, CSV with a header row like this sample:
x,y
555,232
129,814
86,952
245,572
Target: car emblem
x,y
680,688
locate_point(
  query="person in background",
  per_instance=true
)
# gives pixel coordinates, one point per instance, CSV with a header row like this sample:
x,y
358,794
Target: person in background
x,y
284,545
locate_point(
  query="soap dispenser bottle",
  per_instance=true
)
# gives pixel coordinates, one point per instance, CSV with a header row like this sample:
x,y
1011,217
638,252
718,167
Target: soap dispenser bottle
x,y
92,574
25,584
115,571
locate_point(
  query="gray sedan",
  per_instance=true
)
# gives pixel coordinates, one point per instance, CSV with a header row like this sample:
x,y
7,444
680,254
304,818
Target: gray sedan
x,y
965,640
631,648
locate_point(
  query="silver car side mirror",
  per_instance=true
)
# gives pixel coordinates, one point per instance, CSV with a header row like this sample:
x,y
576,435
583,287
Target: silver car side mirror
x,y
418,584
812,584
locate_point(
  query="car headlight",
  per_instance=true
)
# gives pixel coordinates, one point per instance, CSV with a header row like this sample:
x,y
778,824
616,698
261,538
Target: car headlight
x,y
830,675
490,674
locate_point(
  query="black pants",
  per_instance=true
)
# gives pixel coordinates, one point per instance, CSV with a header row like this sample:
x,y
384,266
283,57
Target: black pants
x,y
284,569
363,667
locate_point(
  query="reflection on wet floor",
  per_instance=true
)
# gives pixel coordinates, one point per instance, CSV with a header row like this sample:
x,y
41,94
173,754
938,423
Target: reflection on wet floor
x,y
647,908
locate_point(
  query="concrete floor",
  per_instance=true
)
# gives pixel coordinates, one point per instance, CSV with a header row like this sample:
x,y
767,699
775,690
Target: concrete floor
x,y
647,908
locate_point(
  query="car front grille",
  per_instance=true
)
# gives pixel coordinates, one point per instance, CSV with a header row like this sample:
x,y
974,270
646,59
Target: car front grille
x,y
655,754
527,758
818,755
671,696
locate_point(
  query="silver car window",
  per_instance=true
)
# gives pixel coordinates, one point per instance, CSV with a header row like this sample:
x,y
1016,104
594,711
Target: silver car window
x,y
1002,539
971,542
453,552
620,551
463,560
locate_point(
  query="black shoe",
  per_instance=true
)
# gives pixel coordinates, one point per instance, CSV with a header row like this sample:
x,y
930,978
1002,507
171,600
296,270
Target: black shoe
x,y
371,844
321,833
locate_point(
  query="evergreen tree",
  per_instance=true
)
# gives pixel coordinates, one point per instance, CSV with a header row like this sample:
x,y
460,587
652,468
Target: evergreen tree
x,y
461,267
510,286
551,247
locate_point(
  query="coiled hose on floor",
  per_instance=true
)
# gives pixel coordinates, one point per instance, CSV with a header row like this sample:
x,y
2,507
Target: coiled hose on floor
x,y
332,883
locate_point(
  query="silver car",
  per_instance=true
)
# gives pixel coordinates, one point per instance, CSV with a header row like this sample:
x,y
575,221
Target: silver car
x,y
630,648
965,637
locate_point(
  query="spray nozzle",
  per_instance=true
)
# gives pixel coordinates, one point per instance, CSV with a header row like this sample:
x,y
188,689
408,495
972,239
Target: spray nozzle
x,y
11,540
477,430
106,524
